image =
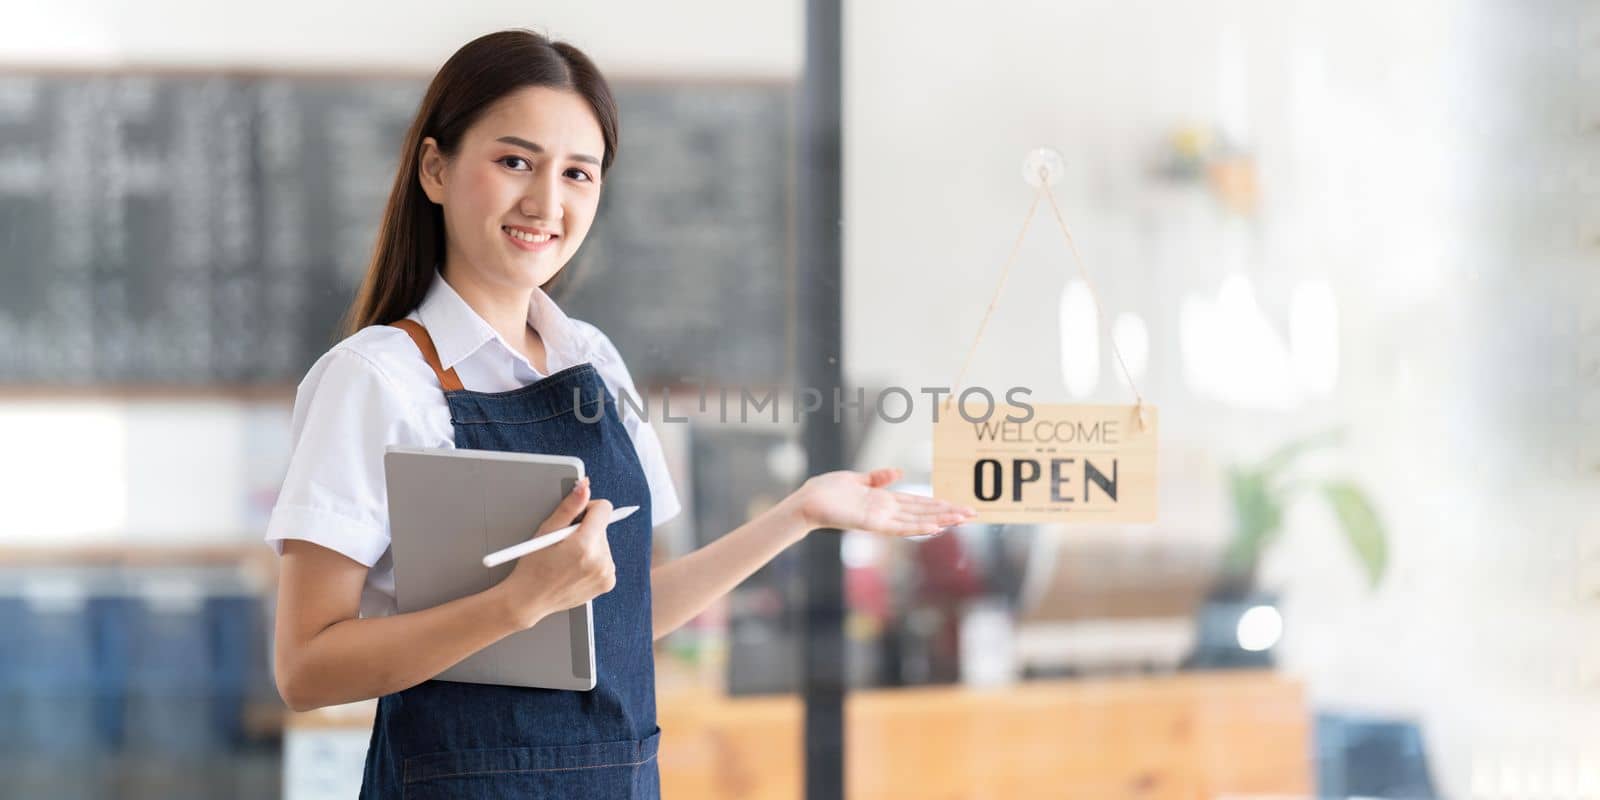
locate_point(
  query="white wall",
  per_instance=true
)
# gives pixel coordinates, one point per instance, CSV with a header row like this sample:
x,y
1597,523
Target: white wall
x,y
627,39
191,471
1399,163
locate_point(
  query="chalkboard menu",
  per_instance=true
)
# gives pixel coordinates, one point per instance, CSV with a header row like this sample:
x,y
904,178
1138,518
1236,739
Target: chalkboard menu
x,y
201,230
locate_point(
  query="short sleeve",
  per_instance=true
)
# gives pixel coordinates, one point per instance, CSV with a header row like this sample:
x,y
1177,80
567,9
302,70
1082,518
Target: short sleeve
x,y
664,504
345,413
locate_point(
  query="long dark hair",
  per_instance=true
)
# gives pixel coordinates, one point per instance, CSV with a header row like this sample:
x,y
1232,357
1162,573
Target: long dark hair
x,y
412,238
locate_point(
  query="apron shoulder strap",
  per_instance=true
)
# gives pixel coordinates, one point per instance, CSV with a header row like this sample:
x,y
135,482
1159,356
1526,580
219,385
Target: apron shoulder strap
x,y
447,377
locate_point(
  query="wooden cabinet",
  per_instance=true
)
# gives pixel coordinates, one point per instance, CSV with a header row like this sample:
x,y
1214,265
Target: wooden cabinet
x,y
1188,736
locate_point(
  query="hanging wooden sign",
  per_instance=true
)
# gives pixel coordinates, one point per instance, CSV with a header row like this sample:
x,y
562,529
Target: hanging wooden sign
x,y
1065,463
1048,463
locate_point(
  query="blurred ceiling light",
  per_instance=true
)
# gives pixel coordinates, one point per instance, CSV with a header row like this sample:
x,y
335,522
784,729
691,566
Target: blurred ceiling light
x,y
1080,339
1232,353
73,482
1133,341
1196,343
1260,628
1314,335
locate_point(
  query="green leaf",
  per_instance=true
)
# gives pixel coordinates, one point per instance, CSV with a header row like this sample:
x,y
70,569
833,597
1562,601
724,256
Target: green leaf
x,y
1362,528
1257,517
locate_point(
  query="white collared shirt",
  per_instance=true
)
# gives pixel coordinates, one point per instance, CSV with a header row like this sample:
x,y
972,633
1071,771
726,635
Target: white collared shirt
x,y
374,389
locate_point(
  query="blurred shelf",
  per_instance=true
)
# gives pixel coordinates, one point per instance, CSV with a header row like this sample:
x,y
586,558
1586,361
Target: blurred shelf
x,y
19,392
251,551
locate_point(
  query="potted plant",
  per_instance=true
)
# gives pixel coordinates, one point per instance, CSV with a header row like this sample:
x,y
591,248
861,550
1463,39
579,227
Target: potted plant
x,y
1261,493
1239,624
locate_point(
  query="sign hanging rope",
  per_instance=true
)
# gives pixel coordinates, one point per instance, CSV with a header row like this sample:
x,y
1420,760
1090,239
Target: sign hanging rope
x,y
1042,168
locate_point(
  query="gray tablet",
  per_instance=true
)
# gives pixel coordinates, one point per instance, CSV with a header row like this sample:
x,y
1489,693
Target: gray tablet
x,y
450,508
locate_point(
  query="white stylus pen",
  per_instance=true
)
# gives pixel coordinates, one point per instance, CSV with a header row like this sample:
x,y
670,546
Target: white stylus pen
x,y
538,543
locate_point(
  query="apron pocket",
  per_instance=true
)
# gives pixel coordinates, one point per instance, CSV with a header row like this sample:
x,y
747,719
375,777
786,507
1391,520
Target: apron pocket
x,y
624,769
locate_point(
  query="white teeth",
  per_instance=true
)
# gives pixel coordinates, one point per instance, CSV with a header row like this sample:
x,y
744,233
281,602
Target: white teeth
x,y
527,237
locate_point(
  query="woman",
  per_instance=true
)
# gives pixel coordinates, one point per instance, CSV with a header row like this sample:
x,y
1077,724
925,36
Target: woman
x,y
454,343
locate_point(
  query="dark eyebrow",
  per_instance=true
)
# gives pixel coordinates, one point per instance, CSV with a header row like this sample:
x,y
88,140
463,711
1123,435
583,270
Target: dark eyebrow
x,y
533,148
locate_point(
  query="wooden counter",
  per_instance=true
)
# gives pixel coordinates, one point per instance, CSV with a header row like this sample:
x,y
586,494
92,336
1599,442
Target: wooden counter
x,y
1185,736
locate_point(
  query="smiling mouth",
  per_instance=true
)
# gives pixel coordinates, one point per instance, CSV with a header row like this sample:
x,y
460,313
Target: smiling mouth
x,y
526,236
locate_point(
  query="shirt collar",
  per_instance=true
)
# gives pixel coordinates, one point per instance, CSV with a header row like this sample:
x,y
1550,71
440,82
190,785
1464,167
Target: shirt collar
x,y
458,332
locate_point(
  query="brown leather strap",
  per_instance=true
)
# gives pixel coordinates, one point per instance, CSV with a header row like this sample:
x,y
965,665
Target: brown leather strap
x,y
447,377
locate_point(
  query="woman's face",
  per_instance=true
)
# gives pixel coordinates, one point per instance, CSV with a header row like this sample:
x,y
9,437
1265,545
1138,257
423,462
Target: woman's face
x,y
521,190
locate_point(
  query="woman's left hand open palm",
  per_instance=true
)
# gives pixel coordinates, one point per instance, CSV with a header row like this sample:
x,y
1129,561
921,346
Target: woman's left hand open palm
x,y
850,500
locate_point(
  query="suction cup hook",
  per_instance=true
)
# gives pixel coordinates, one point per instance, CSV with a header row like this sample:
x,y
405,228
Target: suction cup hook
x,y
1043,166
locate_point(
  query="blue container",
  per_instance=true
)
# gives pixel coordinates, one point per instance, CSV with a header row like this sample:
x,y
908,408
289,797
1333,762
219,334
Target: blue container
x,y
238,657
127,683
111,615
13,621
51,674
168,705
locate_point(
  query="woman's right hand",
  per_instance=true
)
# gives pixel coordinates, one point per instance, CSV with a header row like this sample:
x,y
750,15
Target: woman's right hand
x,y
568,573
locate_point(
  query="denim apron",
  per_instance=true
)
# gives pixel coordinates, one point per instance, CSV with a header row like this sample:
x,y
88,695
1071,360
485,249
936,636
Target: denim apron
x,y
443,739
